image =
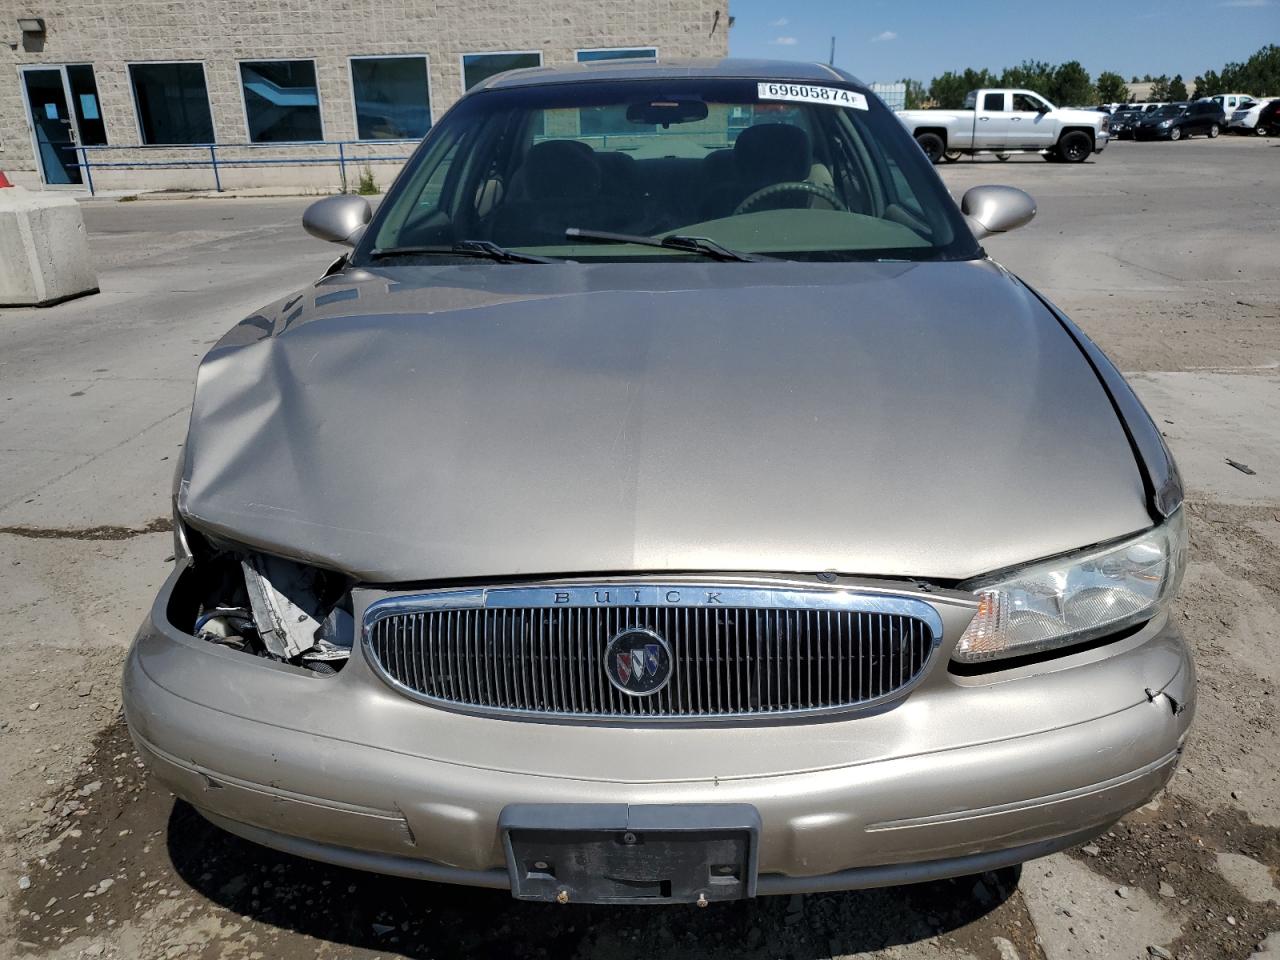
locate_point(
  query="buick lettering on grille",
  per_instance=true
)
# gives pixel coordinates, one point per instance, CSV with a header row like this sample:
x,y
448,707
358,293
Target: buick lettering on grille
x,y
637,596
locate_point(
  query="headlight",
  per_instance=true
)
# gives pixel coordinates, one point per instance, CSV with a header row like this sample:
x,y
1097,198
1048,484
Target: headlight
x,y
1077,598
1166,123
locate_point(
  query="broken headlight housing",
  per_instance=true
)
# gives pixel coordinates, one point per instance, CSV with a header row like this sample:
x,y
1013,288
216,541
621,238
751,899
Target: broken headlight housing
x,y
272,607
1077,598
298,612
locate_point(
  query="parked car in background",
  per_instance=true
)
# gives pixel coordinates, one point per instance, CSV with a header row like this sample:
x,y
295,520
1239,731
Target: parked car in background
x,y
1231,102
1245,119
1268,124
712,519
1124,120
999,121
1178,120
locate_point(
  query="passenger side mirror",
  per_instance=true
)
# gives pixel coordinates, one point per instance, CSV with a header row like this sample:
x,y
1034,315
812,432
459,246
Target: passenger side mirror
x,y
1042,109
339,219
992,209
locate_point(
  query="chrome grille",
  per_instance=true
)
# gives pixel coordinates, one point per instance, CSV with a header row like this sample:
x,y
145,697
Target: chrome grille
x,y
742,652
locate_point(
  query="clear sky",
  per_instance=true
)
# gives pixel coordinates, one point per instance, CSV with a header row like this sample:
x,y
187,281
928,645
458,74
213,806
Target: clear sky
x,y
882,40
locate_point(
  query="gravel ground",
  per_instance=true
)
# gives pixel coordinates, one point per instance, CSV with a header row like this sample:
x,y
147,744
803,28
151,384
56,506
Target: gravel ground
x,y
1165,253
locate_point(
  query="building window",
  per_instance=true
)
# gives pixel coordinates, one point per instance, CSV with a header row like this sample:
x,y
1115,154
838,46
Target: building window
x,y
281,101
172,102
477,67
637,53
611,121
84,96
392,97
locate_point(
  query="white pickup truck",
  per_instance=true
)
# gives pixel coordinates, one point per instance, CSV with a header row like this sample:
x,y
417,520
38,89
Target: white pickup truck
x,y
1008,121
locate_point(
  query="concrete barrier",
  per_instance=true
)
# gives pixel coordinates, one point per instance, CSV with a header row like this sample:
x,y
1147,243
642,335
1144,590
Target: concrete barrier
x,y
44,252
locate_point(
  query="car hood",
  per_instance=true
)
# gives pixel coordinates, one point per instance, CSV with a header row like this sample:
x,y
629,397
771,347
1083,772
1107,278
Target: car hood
x,y
422,423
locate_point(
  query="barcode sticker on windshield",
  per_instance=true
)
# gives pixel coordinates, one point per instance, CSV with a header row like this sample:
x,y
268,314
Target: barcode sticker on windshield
x,y
807,93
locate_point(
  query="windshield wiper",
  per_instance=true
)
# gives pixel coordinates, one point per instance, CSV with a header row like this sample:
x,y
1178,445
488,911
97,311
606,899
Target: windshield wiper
x,y
703,245
484,249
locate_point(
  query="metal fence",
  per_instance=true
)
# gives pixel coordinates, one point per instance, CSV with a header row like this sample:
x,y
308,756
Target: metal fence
x,y
894,95
207,155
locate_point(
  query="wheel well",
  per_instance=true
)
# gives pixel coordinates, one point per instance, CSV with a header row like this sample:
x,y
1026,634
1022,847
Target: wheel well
x,y
1088,131
940,131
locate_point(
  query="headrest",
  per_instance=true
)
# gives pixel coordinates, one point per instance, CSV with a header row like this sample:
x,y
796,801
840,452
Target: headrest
x,y
561,170
772,153
718,166
616,167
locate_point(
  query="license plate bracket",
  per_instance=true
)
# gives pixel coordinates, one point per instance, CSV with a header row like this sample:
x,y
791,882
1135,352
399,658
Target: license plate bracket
x,y
621,853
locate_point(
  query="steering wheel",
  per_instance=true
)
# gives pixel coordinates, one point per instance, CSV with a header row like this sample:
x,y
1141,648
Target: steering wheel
x,y
790,186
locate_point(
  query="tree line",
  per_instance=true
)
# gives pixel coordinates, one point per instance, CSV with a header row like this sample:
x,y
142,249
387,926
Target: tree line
x,y
1069,84
1259,76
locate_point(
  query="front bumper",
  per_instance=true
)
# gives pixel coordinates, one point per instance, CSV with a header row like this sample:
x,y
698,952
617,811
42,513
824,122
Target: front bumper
x,y
964,774
1151,133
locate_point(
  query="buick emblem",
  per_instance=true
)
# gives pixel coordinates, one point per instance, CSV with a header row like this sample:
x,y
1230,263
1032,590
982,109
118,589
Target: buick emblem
x,y
638,662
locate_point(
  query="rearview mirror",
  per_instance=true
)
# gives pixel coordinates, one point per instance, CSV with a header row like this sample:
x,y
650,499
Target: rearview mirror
x,y
339,219
667,112
992,209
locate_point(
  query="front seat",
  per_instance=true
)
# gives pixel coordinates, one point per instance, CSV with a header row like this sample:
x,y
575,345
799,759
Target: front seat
x,y
557,187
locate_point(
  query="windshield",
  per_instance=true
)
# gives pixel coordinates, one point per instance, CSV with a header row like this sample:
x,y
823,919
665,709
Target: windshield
x,y
798,171
1170,111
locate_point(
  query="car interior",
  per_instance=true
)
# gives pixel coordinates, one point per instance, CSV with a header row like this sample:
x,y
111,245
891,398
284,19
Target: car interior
x,y
565,183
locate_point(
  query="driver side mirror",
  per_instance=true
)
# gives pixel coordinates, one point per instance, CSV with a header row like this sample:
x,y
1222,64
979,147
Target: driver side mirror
x,y
339,219
1042,109
992,209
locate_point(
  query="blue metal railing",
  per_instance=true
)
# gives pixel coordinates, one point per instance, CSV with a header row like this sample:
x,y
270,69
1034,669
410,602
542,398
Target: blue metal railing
x,y
216,163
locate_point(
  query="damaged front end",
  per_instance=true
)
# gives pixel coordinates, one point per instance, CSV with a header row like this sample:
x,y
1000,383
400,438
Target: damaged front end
x,y
265,606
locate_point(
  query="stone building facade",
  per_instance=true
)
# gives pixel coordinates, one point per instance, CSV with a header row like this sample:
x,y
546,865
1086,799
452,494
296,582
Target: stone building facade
x,y
156,80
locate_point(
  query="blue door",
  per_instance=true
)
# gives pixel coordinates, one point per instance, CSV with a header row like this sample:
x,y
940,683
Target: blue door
x,y
52,125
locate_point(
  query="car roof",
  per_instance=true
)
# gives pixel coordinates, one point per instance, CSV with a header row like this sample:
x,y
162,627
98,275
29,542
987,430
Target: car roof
x,y
726,67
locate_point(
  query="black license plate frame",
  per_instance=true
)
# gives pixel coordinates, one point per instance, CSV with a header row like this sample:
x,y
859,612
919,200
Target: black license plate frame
x,y
632,854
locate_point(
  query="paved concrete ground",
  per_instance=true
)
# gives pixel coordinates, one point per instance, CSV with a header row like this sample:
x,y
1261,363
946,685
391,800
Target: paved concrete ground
x,y
1165,253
